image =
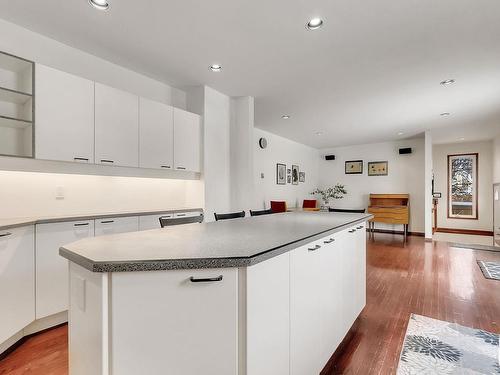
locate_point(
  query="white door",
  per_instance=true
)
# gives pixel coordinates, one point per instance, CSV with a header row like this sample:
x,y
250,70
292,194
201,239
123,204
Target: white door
x,y
51,268
198,333
116,127
305,312
17,284
116,225
156,132
187,140
64,113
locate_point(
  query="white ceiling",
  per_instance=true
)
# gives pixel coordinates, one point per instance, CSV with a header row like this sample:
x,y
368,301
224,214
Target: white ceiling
x,y
372,71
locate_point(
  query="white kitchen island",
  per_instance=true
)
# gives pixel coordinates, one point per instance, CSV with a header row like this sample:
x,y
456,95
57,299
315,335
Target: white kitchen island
x,y
273,294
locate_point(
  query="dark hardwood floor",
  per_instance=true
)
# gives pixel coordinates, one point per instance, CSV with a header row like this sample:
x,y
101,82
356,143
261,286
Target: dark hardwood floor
x,y
430,279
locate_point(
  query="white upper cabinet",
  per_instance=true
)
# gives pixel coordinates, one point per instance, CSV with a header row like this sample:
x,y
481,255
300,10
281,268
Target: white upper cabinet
x,y
156,132
64,111
187,140
116,127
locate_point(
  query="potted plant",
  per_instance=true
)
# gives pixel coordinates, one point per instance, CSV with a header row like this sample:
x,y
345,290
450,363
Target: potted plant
x,y
336,192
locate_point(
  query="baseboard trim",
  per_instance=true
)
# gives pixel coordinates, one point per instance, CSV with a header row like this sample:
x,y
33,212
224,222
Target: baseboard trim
x,y
388,231
34,328
465,231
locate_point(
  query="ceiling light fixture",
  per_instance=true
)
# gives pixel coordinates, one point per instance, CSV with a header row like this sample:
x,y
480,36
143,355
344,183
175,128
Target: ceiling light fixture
x,y
447,82
445,114
285,117
318,133
99,4
314,23
462,139
400,133
215,68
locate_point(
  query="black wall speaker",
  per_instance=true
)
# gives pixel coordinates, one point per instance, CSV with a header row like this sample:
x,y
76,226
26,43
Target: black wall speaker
x,y
329,157
404,151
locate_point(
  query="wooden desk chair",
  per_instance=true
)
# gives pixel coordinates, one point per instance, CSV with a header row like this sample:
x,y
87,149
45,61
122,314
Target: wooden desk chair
x,y
260,212
231,215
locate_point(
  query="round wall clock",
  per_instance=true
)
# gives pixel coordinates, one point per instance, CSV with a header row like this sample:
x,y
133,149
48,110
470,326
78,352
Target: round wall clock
x,y
263,143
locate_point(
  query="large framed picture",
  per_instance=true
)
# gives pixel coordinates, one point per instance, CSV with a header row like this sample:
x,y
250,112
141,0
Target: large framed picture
x,y
295,174
354,167
378,168
281,174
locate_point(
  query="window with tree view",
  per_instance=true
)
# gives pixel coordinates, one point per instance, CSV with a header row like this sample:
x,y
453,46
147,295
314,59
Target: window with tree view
x,y
462,186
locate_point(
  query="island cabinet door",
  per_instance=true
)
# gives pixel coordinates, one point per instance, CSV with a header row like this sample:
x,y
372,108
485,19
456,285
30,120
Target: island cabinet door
x,y
51,268
306,293
182,322
17,295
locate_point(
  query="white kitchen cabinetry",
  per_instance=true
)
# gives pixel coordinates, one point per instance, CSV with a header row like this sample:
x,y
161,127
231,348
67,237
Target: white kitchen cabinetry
x,y
64,116
198,333
148,222
156,132
116,225
17,284
187,140
116,127
51,268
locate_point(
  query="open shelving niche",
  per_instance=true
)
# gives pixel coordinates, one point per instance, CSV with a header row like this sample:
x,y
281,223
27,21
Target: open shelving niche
x,y
16,106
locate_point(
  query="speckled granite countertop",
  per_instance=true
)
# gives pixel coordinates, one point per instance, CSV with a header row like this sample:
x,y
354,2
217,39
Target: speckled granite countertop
x,y
229,243
23,221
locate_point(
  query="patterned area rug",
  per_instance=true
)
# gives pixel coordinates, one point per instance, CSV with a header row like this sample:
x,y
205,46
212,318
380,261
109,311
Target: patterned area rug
x,y
491,270
436,347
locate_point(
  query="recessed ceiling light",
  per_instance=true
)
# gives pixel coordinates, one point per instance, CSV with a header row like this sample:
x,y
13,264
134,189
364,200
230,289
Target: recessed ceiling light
x,y
99,4
447,82
215,68
445,114
400,133
285,117
314,23
318,133
462,139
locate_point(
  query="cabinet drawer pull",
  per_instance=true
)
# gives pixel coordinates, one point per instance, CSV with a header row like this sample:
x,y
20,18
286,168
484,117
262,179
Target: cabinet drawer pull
x,y
107,161
360,227
166,166
314,248
352,231
178,215
81,159
5,234
80,224
180,167
329,241
205,280
107,221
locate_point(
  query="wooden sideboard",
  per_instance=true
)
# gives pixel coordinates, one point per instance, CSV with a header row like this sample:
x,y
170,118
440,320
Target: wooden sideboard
x,y
390,209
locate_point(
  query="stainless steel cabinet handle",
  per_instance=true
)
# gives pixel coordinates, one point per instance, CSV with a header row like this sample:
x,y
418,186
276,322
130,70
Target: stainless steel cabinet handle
x,y
5,234
360,227
180,167
107,161
166,166
329,241
81,159
314,248
205,280
80,224
107,221
352,231
181,215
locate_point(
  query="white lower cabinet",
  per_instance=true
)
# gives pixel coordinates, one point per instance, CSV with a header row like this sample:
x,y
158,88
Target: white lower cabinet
x,y
198,333
51,268
17,284
115,225
148,222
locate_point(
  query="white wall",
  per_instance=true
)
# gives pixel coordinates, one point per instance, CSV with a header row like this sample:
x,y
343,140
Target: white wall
x,y
285,151
496,160
428,171
406,175
30,193
485,188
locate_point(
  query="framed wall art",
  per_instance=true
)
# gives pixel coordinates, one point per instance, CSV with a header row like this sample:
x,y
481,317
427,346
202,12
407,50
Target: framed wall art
x,y
378,168
302,176
295,174
281,174
354,167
